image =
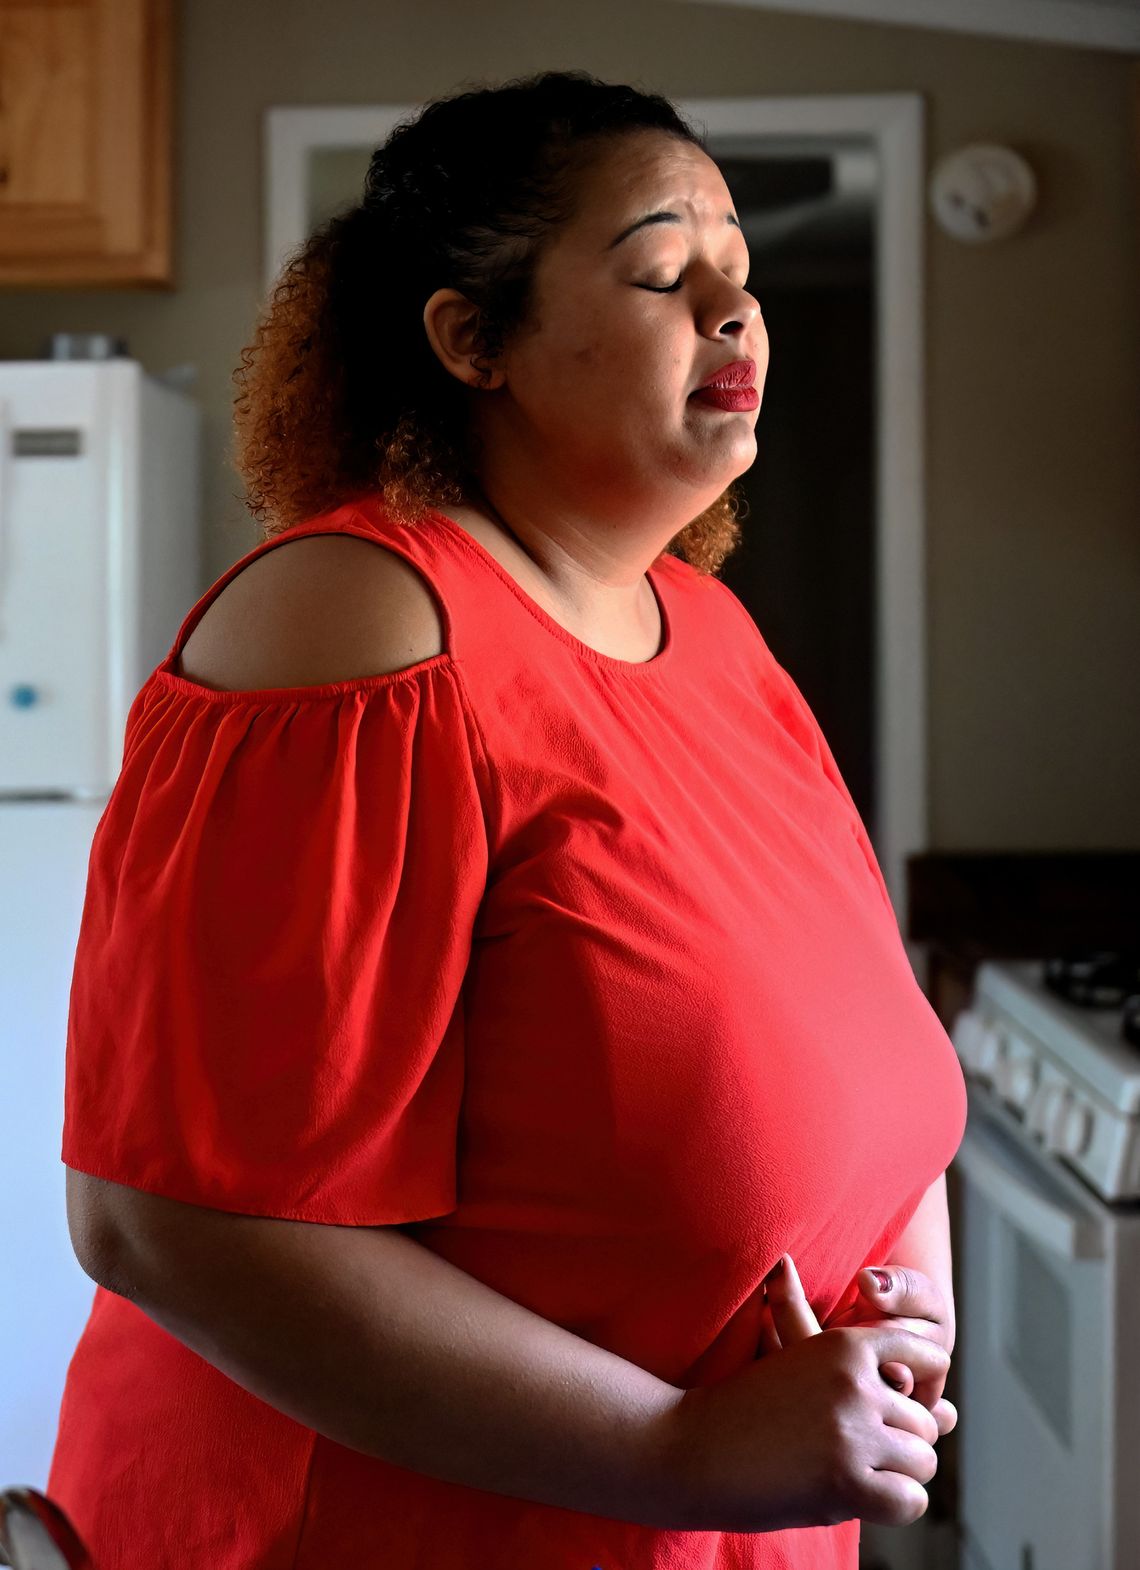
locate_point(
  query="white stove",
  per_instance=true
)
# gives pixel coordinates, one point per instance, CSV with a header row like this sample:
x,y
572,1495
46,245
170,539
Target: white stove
x,y
1047,1358
1065,1069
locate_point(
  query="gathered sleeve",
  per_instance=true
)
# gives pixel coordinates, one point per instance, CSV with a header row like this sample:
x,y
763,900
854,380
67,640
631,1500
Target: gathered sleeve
x,y
265,1013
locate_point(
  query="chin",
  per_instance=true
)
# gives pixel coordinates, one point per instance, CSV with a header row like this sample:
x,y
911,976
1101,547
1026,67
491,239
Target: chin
x,y
730,465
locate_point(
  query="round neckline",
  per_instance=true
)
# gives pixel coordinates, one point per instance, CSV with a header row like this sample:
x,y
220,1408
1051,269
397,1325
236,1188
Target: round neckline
x,y
563,634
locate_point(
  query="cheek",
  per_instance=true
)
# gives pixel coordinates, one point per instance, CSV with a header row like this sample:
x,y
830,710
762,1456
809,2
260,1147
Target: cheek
x,y
629,370
628,340
605,379
598,371
587,357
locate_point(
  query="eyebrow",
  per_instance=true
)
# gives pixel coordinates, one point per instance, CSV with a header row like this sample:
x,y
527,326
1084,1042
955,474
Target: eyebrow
x,y
660,218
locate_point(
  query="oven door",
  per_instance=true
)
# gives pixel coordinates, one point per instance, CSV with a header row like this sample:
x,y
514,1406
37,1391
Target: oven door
x,y
1035,1358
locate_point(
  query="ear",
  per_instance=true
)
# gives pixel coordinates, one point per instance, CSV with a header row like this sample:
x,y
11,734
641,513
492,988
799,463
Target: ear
x,y
450,321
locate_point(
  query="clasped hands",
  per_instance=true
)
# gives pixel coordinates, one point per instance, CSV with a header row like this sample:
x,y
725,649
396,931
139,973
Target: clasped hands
x,y
914,1302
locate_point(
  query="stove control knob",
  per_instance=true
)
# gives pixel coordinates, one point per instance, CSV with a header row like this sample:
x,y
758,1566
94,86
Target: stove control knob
x,y
1071,1126
1041,1110
964,1033
1015,1080
988,1050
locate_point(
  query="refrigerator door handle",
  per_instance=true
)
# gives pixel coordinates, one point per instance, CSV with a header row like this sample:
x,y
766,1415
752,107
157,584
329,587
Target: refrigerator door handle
x,y
5,473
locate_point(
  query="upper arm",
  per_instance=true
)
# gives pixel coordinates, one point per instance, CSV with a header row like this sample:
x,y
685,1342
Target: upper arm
x,y
313,610
322,608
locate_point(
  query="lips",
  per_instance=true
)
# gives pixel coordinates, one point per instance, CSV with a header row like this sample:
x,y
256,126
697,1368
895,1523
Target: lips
x,y
737,373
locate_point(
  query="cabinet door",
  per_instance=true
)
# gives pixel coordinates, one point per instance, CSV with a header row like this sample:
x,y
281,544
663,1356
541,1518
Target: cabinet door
x,y
85,154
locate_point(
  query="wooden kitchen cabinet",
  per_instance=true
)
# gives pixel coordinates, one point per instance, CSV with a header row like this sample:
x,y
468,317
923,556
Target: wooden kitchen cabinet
x,y
85,143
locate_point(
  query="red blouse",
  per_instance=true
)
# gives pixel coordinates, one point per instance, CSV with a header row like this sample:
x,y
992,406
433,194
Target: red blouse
x,y
585,966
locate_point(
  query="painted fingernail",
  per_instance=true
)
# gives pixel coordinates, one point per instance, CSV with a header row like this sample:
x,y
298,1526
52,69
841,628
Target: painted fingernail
x,y
882,1280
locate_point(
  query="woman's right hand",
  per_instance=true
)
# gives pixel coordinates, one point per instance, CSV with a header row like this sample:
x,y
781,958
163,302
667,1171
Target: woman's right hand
x,y
811,1434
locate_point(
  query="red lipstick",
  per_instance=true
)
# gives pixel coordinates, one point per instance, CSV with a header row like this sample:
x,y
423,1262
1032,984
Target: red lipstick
x,y
729,388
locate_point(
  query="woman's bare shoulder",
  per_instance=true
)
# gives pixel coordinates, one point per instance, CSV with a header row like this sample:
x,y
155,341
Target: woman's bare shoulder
x,y
319,608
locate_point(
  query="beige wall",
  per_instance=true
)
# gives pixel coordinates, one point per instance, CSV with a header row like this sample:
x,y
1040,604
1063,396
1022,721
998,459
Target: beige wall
x,y
1032,455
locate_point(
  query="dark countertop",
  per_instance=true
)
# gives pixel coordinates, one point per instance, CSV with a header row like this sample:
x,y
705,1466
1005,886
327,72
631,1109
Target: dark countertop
x,y
1023,904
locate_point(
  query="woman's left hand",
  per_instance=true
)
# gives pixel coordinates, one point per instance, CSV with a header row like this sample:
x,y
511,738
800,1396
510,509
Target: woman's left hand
x,y
915,1303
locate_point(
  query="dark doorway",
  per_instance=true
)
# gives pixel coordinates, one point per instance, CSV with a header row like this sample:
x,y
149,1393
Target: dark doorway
x,y
805,568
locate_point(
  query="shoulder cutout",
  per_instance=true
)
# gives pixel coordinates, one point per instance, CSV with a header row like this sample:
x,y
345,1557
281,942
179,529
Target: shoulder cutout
x,y
321,608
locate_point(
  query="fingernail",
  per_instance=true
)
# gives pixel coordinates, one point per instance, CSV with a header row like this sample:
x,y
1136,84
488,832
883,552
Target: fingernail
x,y
882,1280
776,1271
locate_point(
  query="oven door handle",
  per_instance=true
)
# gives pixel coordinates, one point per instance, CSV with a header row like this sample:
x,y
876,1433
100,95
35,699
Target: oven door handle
x,y
1071,1236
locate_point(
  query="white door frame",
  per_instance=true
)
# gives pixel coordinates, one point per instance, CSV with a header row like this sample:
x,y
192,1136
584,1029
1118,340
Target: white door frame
x,y
893,127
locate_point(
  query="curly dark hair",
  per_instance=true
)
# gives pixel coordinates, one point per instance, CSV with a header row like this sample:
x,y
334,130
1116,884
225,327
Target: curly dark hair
x,y
340,393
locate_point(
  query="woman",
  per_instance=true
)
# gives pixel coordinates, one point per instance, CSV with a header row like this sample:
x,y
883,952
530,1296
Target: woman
x,y
485,978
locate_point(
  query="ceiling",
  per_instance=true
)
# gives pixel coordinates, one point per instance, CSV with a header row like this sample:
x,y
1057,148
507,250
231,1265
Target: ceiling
x,y
1090,24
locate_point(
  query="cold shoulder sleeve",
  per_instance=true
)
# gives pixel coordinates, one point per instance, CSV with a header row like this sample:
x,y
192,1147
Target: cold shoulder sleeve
x,y
265,1012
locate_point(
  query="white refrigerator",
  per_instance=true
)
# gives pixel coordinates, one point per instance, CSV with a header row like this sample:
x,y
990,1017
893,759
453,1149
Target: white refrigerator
x,y
99,563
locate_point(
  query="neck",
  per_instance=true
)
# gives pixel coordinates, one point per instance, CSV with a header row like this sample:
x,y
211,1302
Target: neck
x,y
591,592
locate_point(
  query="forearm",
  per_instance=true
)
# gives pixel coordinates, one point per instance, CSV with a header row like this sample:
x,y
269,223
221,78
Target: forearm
x,y
924,1244
374,1341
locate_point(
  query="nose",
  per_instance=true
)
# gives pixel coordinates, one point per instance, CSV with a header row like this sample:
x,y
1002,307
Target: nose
x,y
734,316
747,311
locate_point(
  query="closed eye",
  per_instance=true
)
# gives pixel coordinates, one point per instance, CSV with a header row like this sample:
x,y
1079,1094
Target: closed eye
x,y
669,288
